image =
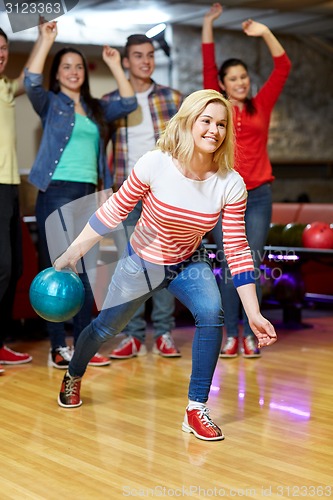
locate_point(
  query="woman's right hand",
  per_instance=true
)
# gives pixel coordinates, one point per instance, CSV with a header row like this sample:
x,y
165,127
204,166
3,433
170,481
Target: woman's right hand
x,y
65,260
214,12
48,30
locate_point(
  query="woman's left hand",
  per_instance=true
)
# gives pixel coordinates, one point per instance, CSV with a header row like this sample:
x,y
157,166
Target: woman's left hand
x,y
253,28
263,330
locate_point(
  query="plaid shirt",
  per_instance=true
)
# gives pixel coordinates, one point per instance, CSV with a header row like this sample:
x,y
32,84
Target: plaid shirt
x,y
164,102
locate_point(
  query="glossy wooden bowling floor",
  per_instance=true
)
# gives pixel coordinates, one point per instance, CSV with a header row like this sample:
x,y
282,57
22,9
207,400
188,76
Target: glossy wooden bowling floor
x,y
126,438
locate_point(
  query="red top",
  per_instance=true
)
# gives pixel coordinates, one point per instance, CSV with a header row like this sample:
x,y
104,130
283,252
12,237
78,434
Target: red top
x,y
252,160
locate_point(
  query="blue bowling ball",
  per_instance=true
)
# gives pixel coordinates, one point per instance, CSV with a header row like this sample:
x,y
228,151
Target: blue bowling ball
x,y
56,295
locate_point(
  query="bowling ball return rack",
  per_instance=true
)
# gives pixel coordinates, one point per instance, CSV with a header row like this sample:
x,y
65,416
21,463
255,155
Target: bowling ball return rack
x,y
291,260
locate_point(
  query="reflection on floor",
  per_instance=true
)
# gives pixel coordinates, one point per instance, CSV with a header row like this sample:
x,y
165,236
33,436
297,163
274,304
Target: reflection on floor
x,y
126,439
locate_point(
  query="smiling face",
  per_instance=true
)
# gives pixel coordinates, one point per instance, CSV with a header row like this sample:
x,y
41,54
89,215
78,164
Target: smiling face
x,y
209,129
236,83
140,61
71,73
3,54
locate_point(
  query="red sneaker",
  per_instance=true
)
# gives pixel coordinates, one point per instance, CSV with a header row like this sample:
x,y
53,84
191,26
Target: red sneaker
x,y
201,425
69,396
129,347
2,369
250,348
60,357
165,346
99,360
230,349
9,357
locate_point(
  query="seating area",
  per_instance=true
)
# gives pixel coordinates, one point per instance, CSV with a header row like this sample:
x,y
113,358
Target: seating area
x,y
304,213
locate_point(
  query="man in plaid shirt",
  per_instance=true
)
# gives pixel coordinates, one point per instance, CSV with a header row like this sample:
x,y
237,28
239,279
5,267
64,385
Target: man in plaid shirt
x,y
133,136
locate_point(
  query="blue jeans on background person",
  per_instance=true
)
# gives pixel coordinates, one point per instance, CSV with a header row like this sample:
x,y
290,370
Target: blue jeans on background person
x,y
257,221
163,303
57,195
134,281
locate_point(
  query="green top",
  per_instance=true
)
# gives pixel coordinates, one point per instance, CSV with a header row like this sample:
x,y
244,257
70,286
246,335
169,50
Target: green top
x,y
79,161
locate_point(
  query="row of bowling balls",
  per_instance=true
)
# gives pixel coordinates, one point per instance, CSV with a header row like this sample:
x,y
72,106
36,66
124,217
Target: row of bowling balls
x,y
315,235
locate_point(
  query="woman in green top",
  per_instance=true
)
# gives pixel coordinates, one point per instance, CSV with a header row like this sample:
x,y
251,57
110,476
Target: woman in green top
x,y
71,160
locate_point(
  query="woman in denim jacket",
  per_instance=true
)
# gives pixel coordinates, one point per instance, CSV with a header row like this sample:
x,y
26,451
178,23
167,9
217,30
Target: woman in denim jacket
x,y
71,160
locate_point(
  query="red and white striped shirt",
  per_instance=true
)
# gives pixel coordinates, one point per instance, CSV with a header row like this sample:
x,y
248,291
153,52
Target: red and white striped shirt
x,y
177,212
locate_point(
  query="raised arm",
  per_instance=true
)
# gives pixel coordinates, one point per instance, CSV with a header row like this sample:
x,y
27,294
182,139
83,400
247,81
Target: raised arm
x,y
253,28
112,59
48,33
207,27
209,67
20,85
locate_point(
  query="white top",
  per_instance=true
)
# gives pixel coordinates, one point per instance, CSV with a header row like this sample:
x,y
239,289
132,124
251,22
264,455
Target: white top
x,y
140,130
177,212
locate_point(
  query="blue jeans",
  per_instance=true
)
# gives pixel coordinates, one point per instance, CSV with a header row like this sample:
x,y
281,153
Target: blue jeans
x,y
163,303
134,281
257,220
58,194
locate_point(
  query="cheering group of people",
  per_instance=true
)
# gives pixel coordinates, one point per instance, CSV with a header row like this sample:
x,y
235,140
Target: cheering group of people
x,y
181,167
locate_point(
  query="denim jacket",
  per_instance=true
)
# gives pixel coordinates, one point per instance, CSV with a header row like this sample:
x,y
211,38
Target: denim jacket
x,y
58,117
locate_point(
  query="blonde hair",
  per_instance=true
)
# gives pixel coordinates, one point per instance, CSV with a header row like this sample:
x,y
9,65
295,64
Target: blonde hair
x,y
177,137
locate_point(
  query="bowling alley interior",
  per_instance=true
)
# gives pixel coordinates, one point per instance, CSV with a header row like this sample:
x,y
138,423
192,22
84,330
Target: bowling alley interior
x,y
275,410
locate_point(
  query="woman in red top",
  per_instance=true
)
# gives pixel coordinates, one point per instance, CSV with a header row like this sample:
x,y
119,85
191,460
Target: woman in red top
x,y
251,120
